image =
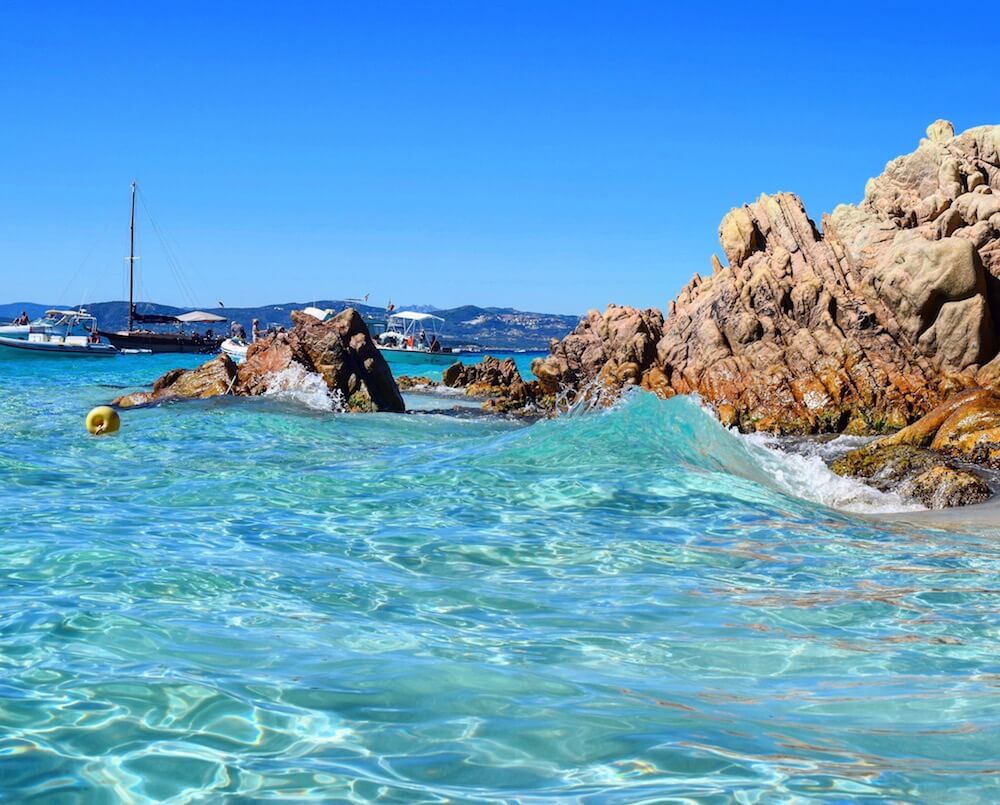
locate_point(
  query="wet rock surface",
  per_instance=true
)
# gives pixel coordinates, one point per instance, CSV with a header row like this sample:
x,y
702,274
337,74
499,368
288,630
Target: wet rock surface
x,y
914,472
920,460
340,351
211,379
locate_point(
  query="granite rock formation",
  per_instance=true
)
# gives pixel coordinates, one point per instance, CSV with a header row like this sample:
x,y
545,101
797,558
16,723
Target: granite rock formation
x,y
913,472
499,382
214,378
920,459
863,324
340,350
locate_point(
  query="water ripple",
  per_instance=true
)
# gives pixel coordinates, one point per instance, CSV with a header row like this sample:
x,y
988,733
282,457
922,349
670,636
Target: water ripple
x,y
253,600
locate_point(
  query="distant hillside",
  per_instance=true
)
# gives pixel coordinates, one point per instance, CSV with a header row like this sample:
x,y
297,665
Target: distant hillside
x,y
12,310
503,328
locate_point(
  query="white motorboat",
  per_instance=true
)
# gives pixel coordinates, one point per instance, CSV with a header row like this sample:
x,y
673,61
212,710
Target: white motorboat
x,y
51,319
75,334
235,348
413,337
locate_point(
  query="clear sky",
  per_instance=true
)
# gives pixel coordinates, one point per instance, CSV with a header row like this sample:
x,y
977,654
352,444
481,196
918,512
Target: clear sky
x,y
548,156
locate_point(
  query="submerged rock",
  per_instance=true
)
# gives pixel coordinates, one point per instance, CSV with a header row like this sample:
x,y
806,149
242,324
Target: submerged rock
x,y
863,324
407,382
913,472
340,351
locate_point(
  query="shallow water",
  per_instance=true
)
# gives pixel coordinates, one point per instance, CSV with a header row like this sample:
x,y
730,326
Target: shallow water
x,y
261,600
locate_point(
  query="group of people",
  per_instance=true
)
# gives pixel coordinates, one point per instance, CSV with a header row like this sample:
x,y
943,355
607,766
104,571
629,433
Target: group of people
x,y
239,333
23,318
421,341
434,346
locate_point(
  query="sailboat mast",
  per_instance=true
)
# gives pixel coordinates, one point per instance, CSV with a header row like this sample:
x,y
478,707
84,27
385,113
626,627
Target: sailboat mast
x,y
131,261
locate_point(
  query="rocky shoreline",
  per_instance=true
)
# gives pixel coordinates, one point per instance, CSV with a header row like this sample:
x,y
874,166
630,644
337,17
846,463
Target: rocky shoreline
x,y
340,351
882,320
886,314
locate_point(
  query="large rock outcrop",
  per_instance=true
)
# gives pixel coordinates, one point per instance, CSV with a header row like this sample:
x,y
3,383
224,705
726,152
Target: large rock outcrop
x,y
340,351
863,324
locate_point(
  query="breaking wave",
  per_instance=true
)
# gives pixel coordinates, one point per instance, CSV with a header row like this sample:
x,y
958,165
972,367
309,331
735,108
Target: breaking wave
x,y
296,384
681,432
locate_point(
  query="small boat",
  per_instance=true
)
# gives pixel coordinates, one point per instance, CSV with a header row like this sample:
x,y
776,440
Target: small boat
x,y
64,339
412,337
235,348
142,338
321,314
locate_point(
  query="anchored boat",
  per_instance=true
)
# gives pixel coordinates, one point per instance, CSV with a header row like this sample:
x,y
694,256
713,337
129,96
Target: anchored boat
x,y
20,328
146,340
413,337
75,334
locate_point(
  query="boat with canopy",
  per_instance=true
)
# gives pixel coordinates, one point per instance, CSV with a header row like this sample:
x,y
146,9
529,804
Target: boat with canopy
x,y
413,337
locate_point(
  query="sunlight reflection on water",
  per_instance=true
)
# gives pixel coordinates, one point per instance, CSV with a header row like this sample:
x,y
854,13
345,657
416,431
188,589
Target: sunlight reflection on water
x,y
250,598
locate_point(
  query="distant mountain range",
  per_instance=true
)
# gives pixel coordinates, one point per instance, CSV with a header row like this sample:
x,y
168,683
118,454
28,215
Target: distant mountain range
x,y
499,328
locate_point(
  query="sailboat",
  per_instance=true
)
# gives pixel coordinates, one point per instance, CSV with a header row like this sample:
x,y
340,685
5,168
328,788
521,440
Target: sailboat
x,y
145,340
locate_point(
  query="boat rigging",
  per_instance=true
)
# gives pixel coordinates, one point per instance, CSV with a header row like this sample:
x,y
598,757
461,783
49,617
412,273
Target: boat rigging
x,y
159,341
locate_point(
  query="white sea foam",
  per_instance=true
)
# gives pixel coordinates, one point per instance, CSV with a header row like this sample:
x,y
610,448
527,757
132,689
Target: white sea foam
x,y
805,474
441,391
799,468
297,385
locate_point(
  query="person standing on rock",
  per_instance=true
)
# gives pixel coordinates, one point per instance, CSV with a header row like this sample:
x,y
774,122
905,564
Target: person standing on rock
x,y
255,330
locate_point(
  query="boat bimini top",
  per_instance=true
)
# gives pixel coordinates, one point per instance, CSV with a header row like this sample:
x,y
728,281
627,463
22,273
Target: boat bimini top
x,y
407,321
55,318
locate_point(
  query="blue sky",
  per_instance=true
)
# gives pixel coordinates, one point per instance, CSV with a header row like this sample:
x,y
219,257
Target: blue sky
x,y
548,156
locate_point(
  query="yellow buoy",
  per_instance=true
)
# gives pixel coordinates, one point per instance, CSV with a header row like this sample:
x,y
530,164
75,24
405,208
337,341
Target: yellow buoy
x,y
103,420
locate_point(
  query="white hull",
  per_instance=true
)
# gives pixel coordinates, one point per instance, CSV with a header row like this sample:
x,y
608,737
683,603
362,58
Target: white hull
x,y
398,355
14,330
47,349
235,350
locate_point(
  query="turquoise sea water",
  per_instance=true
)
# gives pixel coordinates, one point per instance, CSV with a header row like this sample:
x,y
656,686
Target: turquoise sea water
x,y
256,600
